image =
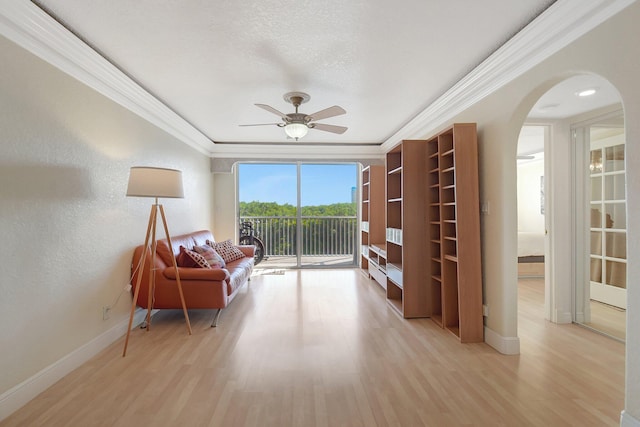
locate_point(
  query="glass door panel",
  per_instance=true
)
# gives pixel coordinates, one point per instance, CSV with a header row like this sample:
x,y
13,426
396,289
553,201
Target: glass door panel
x,y
608,218
601,296
267,197
328,214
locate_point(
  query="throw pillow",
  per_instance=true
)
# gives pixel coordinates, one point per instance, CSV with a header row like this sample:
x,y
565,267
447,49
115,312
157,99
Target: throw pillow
x,y
191,259
184,260
227,250
213,258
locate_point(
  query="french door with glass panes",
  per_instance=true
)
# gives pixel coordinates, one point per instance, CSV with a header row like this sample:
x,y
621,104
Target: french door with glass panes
x,y
608,257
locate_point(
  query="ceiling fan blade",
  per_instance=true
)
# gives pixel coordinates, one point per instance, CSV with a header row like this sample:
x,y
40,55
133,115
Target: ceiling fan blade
x,y
262,124
328,128
272,110
327,112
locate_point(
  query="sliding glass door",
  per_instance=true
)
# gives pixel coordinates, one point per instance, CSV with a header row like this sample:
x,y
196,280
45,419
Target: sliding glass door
x,y
267,198
304,213
328,201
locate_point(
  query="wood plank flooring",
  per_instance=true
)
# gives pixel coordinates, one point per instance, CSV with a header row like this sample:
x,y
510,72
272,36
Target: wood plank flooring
x,y
322,348
608,319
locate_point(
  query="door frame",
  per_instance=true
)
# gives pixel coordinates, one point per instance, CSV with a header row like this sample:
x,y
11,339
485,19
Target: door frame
x,y
299,217
581,213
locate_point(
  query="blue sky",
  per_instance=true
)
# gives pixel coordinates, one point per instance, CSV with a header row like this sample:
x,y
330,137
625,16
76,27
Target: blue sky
x,y
321,184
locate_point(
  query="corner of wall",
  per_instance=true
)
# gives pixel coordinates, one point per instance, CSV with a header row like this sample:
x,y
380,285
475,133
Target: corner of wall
x,y
504,345
562,317
626,420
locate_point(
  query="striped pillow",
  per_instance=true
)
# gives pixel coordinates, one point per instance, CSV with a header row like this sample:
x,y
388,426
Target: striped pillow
x,y
213,258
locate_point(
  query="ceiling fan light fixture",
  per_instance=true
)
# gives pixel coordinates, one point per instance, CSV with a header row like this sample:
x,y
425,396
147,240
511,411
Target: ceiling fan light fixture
x,y
296,130
297,124
587,92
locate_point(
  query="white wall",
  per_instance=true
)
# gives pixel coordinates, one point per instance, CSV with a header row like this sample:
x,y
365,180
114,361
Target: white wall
x,y
530,218
559,267
68,231
225,226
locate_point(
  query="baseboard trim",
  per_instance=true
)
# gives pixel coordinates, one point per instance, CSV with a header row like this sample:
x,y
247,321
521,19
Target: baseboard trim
x,y
563,317
505,345
627,420
18,396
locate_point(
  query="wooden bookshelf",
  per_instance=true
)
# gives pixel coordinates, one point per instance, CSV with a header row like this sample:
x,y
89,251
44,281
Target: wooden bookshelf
x,y
455,276
433,251
434,230
407,290
372,229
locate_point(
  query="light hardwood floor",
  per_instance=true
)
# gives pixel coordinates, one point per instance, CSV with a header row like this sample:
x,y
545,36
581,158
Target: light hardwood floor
x,y
322,348
608,319
605,318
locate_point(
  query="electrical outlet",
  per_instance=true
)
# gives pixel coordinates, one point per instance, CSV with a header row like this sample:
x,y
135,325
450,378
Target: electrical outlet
x,y
106,312
485,310
484,208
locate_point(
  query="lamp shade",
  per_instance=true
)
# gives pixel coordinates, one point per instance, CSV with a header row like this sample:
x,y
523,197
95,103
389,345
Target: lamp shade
x,y
296,130
147,181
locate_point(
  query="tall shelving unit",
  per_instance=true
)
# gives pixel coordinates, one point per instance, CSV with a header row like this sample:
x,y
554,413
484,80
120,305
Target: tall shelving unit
x,y
434,230
407,289
372,228
455,277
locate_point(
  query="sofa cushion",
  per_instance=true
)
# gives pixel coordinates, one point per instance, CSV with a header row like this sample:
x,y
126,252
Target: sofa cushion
x,y
189,240
203,274
191,259
239,272
200,237
227,250
213,258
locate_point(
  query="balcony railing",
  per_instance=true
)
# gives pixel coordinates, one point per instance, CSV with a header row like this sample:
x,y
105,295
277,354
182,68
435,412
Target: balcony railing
x,y
321,235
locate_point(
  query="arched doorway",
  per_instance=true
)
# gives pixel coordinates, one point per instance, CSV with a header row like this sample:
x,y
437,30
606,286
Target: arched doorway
x,y
580,115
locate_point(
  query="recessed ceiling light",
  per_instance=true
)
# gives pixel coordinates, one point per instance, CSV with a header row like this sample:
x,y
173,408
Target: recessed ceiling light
x,y
548,107
586,92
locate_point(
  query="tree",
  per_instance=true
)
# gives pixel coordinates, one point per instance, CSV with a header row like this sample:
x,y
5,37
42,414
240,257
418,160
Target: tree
x,y
272,209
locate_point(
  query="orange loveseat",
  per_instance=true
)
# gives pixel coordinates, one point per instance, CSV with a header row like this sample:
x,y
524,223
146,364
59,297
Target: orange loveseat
x,y
203,288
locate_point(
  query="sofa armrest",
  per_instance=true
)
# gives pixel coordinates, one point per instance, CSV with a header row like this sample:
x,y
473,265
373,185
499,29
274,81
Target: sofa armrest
x,y
186,273
248,250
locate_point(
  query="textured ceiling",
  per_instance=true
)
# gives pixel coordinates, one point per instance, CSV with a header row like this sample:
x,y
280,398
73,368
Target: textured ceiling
x,y
384,62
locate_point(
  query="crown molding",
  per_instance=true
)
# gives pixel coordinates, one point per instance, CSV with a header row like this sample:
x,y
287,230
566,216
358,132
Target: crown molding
x,y
31,28
291,151
562,23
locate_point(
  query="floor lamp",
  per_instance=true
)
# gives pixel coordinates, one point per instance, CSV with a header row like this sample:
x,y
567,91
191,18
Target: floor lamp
x,y
154,182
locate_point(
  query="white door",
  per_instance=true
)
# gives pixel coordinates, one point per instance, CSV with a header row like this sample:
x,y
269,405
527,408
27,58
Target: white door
x,y
608,227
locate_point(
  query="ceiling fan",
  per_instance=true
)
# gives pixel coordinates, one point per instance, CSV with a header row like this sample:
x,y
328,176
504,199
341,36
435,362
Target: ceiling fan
x,y
296,125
